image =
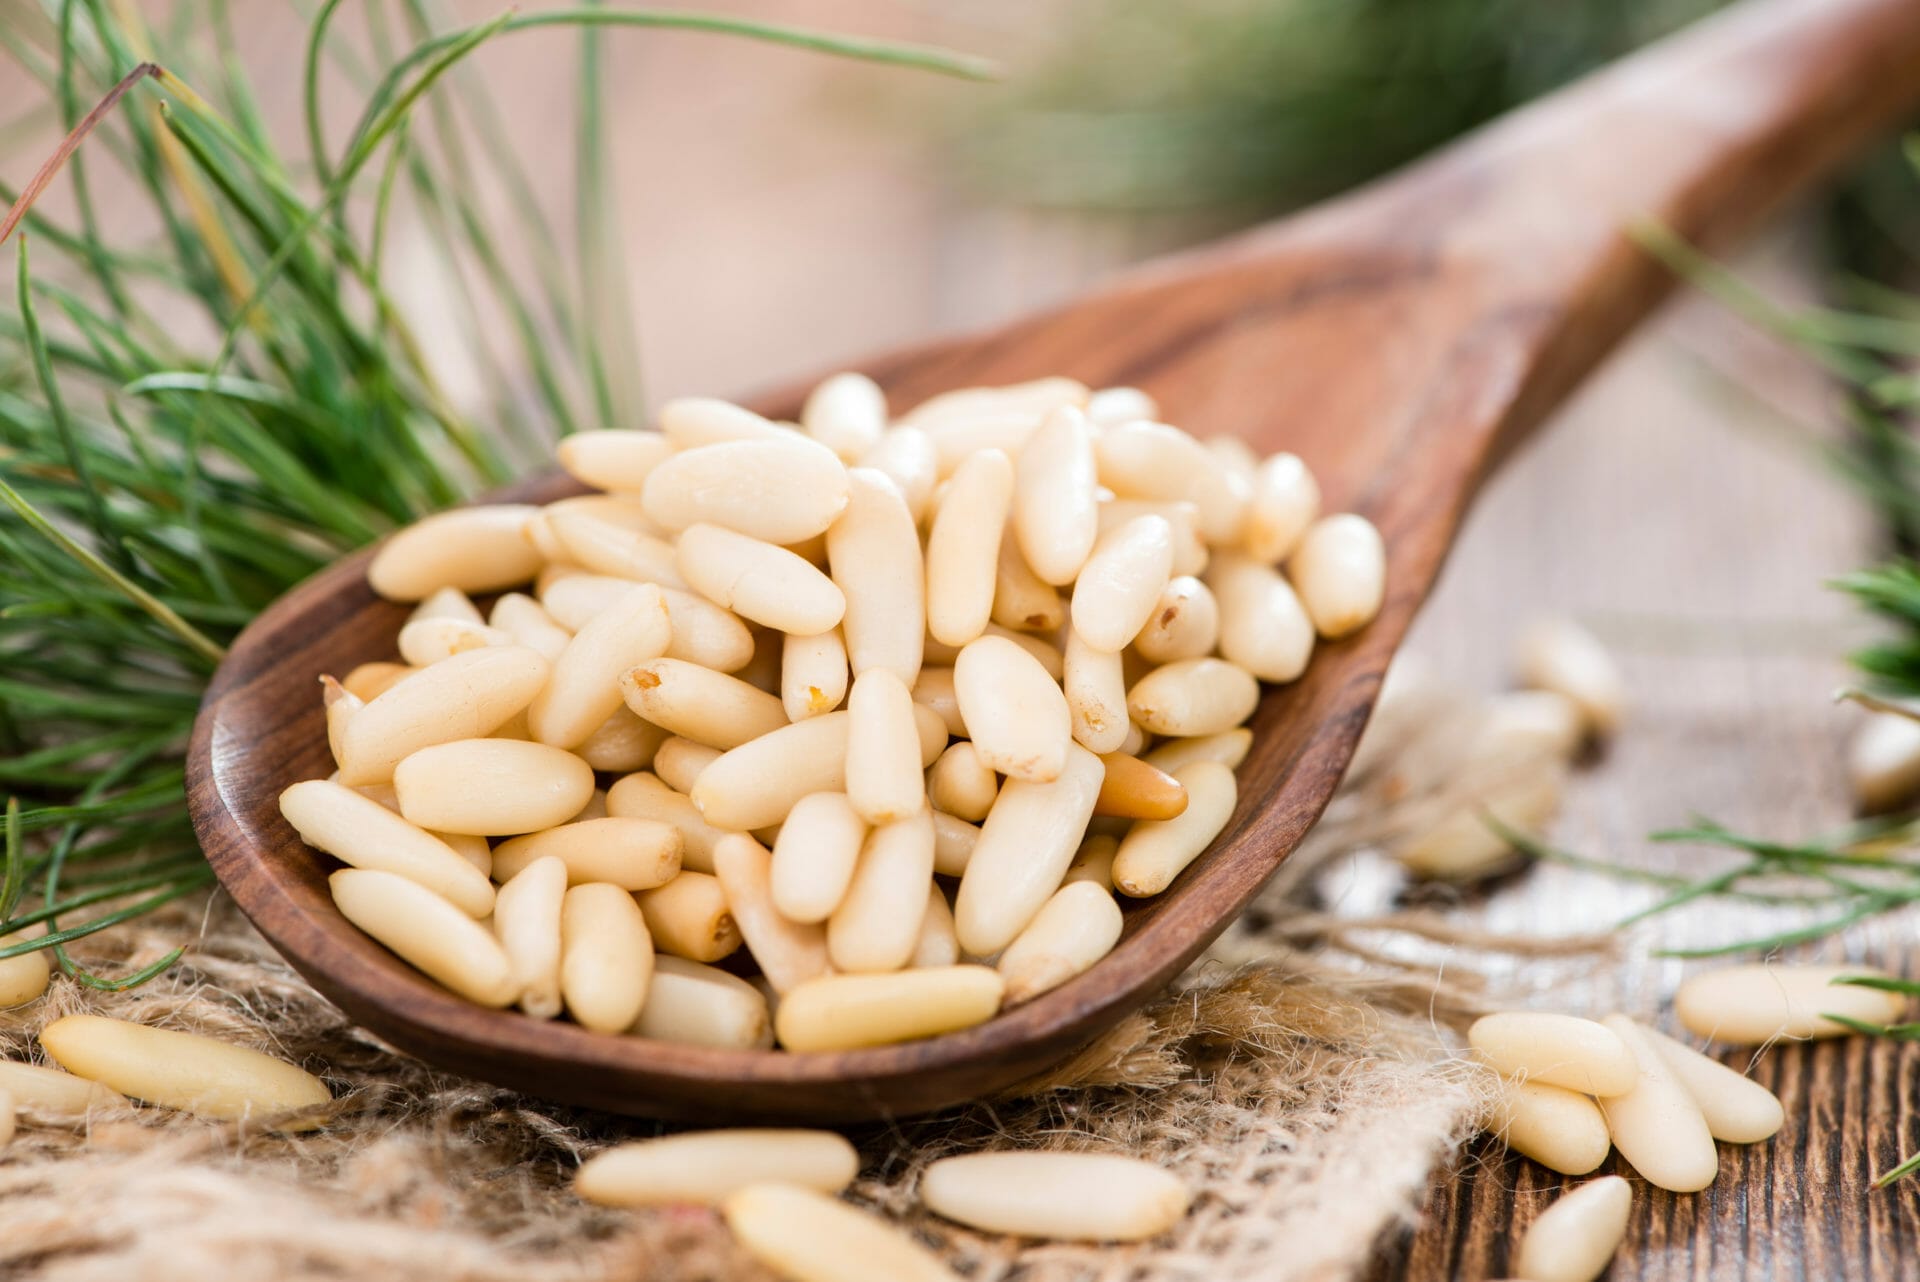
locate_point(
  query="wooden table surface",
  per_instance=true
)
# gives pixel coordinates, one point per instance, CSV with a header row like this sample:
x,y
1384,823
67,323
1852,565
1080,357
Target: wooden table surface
x,y
771,233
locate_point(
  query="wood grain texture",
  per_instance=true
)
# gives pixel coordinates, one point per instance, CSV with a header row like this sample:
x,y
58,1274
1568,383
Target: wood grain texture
x,y
1398,339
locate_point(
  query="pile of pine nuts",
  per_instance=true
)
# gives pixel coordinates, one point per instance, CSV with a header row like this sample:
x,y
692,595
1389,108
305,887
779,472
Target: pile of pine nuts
x,y
895,705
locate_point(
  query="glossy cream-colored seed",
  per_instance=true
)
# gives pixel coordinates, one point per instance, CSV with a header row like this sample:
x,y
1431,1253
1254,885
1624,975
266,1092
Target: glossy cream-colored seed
x,y
526,920
1184,624
1883,762
692,421
184,1071
528,623
680,761
789,952
24,977
1134,744
813,674
1015,714
600,546
623,743
1094,861
1193,697
1229,748
963,547
884,780
1154,461
778,489
1263,626
427,641
643,795
1112,405
1133,789
807,1236
606,957
360,831
1563,1130
703,1006
961,784
1046,654
937,945
758,581
688,917
1462,845
340,705
1055,509
846,413
427,932
1751,1005
596,808
1115,593
634,854
465,697
1656,1126
876,925
1069,1197
1035,397
475,549
703,633
1023,851
492,786
933,689
953,842
1154,851
48,1096
907,457
842,1012
1738,1109
1021,599
1285,501
369,681
447,603
700,704
1521,725
613,459
755,785
1190,553
1576,1237
1560,1050
585,686
1558,654
1340,571
708,1166
1075,928
814,858
874,551
957,440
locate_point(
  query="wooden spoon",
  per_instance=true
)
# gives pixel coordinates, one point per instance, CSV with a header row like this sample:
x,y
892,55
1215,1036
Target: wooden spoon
x,y
1399,339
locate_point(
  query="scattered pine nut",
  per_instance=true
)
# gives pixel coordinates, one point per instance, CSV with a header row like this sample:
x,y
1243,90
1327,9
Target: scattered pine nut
x,y
1072,1197
810,1237
1752,1005
24,978
1883,761
1656,1125
1560,1050
709,1166
1562,656
1574,1239
51,1097
1563,1130
1738,1109
184,1071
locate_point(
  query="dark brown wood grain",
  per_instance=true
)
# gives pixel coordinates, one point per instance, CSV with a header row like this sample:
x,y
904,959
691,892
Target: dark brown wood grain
x,y
1398,339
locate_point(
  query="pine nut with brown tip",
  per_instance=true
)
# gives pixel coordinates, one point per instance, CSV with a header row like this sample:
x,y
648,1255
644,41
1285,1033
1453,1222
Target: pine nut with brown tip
x,y
1155,851
813,674
698,703
634,854
688,917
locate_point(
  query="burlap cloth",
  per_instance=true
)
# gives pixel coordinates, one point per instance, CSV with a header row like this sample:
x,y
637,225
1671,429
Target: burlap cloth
x,y
1303,1080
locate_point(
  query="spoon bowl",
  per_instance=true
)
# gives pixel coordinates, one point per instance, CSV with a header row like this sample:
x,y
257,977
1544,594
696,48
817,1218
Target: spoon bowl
x,y
1400,340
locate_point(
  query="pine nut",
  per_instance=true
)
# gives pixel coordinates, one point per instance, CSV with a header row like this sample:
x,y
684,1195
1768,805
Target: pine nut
x,y
1461,846
1075,928
813,674
814,859
1229,748
1114,405
874,552
962,565
606,957
1117,588
475,549
371,680
1047,655
1068,1197
625,742
953,842
779,489
491,786
596,808
25,977
1883,762
1738,1109
1575,1238
1024,848
688,917
680,761
528,623
340,706
1153,461
700,704
634,854
846,413
1560,1050
526,920
689,422
1016,715
464,697
703,633
759,581
1183,522
427,932
1562,656
1562,1130
582,692
1263,626
933,689
708,1166
359,831
1184,624
1193,697
1094,861
183,1071
842,1012
48,1096
960,438
1657,1126
937,944
447,603
613,459
877,923
1055,511
807,1236
884,782
1022,600
1035,397
601,547
789,952
621,509
1155,851
1523,724
906,456
643,796
427,641
703,1006
1285,501
1753,1005
961,784
1133,789
756,784
1339,570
